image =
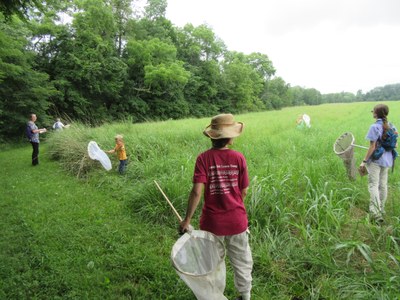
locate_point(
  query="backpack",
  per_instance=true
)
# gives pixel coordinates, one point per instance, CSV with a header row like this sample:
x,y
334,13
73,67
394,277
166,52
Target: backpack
x,y
56,125
387,144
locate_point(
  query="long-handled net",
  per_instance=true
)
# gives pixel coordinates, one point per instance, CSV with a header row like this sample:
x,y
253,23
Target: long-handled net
x,y
199,259
344,148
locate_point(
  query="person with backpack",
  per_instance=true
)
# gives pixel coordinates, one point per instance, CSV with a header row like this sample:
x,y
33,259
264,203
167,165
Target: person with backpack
x,y
58,125
378,160
222,174
32,133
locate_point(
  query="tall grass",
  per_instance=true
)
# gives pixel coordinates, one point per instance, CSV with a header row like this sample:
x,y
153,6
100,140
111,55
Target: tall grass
x,y
311,235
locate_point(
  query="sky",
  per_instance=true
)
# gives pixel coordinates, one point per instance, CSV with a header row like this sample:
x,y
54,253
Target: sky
x,y
331,45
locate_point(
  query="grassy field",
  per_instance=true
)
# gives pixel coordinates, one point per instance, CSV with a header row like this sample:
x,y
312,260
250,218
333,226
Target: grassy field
x,y
71,230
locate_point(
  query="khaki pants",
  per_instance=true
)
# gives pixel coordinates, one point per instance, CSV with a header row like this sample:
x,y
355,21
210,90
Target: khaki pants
x,y
239,253
377,187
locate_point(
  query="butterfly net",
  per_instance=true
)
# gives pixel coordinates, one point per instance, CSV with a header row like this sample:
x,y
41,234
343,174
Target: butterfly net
x,y
344,148
96,153
199,259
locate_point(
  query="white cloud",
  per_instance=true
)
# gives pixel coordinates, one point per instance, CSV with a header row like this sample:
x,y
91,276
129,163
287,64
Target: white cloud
x,y
330,45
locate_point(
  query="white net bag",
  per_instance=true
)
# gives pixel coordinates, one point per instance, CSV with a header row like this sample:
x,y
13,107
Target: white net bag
x,y
307,120
344,148
303,121
96,153
199,259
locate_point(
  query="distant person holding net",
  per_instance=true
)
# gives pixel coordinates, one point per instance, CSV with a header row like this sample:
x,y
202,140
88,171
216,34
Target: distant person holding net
x,y
378,165
121,153
32,133
222,174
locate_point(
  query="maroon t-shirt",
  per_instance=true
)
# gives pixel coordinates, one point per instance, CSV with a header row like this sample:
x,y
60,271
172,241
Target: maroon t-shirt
x,y
224,173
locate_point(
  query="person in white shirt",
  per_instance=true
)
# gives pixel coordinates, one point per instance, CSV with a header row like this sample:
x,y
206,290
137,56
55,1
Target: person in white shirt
x,y
58,125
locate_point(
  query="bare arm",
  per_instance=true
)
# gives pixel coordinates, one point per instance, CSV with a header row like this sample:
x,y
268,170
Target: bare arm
x,y
41,130
370,150
193,202
112,150
244,193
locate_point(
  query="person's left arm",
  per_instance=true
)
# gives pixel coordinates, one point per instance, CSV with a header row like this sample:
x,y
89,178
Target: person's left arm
x,y
244,193
244,181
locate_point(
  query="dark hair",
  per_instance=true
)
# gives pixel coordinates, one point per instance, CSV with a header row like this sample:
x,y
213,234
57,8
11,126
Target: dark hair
x,y
382,111
220,143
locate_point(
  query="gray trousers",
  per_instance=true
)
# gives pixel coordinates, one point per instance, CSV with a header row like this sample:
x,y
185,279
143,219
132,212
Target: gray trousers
x,y
377,187
239,253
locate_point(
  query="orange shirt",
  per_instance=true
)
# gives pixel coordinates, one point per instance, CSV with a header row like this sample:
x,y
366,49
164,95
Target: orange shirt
x,y
120,150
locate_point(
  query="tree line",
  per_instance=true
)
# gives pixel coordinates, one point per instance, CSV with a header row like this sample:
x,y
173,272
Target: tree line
x,y
102,60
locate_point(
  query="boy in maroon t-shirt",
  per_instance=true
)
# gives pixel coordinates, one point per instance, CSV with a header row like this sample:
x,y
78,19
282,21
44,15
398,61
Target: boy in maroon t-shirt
x,y
222,173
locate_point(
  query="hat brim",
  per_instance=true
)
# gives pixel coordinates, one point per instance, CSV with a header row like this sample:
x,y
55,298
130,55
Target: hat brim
x,y
226,132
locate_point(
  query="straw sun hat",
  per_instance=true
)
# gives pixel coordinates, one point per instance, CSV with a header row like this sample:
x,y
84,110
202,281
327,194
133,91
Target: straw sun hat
x,y
223,126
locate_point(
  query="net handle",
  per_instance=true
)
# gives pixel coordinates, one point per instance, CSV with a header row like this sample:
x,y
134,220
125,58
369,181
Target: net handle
x,y
351,144
169,202
363,147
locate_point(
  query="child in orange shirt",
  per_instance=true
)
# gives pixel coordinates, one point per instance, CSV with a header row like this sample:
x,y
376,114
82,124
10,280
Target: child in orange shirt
x,y
121,153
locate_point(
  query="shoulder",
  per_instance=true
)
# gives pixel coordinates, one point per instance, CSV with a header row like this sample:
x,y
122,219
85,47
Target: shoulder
x,y
375,126
236,153
207,152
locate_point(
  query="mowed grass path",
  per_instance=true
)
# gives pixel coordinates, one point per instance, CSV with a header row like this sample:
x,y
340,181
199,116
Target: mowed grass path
x,y
62,238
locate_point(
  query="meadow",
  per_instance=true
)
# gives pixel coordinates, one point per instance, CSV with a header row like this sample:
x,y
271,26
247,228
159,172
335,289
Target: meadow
x,y
71,230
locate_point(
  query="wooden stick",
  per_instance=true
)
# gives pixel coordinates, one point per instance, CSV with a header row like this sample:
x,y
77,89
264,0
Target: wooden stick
x,y
169,202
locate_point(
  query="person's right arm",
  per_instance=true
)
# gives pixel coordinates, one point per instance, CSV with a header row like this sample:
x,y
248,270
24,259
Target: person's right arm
x,y
112,150
371,149
193,202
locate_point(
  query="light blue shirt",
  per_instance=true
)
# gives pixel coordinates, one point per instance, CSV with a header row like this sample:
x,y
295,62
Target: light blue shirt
x,y
375,133
35,136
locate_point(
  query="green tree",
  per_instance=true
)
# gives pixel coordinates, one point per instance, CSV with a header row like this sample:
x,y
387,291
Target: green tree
x,y
276,94
387,92
295,95
158,76
312,96
87,68
201,49
242,84
23,90
155,9
122,11
262,64
19,8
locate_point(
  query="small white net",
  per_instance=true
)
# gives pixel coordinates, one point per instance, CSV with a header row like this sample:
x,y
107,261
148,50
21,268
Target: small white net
x,y
96,153
343,147
199,259
303,121
307,120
